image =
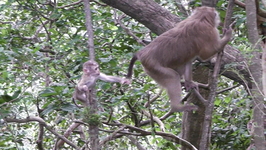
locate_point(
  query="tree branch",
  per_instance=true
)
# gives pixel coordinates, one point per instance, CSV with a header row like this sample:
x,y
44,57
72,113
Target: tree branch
x,y
67,133
227,89
118,21
135,142
168,136
71,5
111,137
43,123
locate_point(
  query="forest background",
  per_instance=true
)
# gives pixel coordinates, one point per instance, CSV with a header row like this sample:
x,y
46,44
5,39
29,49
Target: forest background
x,y
43,44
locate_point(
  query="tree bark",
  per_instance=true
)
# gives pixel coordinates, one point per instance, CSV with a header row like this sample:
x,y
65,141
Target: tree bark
x,y
192,122
147,12
253,34
264,69
256,73
210,3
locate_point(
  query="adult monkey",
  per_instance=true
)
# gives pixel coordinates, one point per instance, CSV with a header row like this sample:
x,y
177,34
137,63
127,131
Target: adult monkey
x,y
170,55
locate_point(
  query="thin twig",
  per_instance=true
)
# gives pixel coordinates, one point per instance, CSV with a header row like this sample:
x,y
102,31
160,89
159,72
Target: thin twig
x,y
227,89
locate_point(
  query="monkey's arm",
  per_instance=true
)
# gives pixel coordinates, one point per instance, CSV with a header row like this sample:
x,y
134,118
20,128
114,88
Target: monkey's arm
x,y
86,82
79,95
108,78
227,35
90,83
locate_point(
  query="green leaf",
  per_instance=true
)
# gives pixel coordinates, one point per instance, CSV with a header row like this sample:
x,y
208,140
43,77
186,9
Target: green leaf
x,y
50,108
227,100
5,98
48,92
217,102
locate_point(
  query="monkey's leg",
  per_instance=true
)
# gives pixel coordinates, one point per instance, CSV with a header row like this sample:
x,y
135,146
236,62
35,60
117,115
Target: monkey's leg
x,y
170,79
174,92
189,84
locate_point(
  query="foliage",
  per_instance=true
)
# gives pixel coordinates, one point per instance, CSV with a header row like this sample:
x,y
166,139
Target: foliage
x,y
92,119
41,51
232,114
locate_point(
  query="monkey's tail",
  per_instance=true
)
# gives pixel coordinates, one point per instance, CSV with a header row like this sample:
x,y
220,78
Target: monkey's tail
x,y
130,68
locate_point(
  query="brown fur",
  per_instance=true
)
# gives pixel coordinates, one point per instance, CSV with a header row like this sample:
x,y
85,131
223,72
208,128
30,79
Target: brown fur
x,y
169,56
91,73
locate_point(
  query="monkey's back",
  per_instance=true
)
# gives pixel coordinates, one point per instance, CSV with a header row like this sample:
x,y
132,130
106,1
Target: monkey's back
x,y
180,44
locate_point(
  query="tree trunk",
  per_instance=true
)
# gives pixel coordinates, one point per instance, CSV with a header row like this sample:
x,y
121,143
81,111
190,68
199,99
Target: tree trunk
x,y
210,3
192,123
256,73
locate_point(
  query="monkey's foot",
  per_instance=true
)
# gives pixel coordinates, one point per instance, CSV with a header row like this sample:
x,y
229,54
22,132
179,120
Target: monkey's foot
x,y
191,85
186,107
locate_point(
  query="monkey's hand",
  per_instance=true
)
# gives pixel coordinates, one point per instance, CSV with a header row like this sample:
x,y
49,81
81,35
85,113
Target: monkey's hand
x,y
190,85
125,81
228,31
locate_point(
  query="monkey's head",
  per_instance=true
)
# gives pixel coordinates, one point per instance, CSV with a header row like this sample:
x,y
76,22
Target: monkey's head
x,y
91,68
207,14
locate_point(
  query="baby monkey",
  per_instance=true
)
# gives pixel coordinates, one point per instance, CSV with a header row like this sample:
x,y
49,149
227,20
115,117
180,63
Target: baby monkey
x,y
91,73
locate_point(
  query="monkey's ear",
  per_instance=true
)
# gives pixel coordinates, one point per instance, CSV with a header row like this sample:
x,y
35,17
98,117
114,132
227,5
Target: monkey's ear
x,y
86,70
